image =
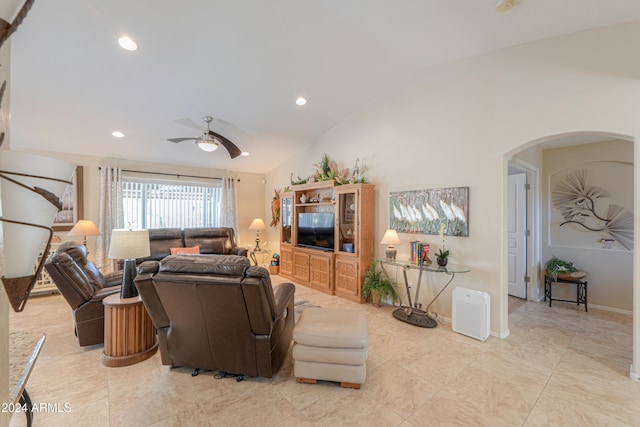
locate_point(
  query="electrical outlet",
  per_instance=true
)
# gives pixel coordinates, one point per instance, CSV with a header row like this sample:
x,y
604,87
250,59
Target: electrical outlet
x,y
410,285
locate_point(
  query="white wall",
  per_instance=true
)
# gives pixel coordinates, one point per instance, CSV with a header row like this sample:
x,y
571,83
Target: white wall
x,y
610,272
453,126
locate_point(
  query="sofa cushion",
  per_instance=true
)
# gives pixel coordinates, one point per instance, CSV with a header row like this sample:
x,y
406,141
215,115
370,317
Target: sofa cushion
x,y
78,252
223,265
332,327
210,240
161,240
70,279
191,250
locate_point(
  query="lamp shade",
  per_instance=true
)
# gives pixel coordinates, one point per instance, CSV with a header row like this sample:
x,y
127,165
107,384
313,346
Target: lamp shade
x,y
84,227
9,9
23,244
12,13
128,244
257,224
31,187
390,238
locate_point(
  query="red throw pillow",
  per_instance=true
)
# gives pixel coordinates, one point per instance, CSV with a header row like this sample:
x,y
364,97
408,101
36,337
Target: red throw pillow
x,y
191,250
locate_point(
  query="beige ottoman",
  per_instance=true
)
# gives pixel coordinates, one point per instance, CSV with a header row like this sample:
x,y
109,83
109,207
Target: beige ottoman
x,y
330,344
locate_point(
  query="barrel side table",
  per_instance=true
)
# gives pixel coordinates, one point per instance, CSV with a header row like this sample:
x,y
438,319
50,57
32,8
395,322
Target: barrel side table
x,y
129,334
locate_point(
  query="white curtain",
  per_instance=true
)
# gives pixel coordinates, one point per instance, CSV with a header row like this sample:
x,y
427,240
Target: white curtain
x,y
111,211
229,217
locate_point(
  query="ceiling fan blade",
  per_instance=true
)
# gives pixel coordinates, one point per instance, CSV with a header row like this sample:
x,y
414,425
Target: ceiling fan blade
x,y
230,146
181,139
189,123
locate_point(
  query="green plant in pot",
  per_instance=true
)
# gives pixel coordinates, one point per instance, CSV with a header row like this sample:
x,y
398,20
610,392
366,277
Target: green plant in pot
x,y
376,286
442,257
556,267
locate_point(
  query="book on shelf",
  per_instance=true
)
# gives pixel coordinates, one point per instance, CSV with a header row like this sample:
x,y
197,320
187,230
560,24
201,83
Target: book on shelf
x,y
420,253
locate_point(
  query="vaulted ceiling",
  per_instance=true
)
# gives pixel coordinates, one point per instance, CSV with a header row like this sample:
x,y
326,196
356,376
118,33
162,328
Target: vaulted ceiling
x,y
245,62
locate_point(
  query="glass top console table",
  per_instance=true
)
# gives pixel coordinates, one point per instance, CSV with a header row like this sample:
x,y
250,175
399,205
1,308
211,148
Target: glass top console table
x,y
412,313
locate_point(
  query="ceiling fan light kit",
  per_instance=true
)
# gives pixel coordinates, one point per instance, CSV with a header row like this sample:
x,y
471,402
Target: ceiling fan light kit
x,y
207,142
210,140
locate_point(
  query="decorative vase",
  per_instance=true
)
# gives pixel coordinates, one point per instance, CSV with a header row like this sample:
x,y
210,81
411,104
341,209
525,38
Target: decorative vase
x,y
376,297
303,198
442,262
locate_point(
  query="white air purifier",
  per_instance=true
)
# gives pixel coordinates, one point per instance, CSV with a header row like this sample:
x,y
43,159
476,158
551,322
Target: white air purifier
x,y
470,313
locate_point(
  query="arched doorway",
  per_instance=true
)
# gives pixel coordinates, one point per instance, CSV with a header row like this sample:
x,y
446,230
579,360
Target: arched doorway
x,y
577,147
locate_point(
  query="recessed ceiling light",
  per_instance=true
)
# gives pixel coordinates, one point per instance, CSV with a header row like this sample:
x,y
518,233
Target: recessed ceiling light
x,y
244,153
117,134
301,101
127,43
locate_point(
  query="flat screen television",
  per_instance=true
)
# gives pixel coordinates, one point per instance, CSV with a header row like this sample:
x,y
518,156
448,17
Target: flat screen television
x,y
316,230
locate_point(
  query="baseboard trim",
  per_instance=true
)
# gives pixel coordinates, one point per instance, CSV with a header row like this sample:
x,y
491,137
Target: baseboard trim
x,y
613,309
502,336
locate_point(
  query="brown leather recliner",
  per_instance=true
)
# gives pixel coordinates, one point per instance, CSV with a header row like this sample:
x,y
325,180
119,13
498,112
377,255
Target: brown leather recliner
x,y
217,312
83,287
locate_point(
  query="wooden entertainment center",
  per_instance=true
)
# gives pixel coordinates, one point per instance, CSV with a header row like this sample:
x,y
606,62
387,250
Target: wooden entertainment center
x,y
326,236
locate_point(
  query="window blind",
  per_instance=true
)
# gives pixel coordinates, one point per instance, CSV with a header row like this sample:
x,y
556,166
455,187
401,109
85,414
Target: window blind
x,y
153,204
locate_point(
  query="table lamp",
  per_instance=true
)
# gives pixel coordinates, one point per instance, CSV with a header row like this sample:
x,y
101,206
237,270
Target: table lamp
x,y
257,224
31,187
390,238
129,245
84,227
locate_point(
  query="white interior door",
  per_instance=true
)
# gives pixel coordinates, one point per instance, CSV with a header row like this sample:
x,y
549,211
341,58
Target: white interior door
x,y
517,227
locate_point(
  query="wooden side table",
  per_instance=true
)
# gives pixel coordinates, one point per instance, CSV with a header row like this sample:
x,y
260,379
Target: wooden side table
x,y
129,334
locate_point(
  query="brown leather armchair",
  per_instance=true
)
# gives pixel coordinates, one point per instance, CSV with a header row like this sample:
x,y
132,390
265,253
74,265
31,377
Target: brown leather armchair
x,y
217,312
83,287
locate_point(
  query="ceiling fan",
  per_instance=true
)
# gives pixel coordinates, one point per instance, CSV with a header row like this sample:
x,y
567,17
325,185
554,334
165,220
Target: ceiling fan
x,y
210,140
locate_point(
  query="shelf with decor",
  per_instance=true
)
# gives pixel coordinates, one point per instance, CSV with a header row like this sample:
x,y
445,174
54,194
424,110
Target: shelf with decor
x,y
326,236
44,284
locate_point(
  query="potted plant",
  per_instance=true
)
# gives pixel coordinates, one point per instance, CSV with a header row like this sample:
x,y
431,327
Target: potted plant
x,y
376,286
556,267
442,257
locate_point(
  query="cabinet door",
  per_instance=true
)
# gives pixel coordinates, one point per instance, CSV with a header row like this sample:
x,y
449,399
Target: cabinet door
x,y
321,273
347,280
347,221
286,261
286,217
301,266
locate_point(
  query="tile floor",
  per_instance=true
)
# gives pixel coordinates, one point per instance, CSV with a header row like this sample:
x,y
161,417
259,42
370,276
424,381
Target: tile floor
x,y
560,366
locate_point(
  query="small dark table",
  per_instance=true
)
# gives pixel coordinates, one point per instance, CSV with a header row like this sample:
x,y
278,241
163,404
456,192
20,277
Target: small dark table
x,y
581,290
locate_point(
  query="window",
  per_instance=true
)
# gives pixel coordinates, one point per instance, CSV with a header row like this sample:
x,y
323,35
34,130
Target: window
x,y
166,204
